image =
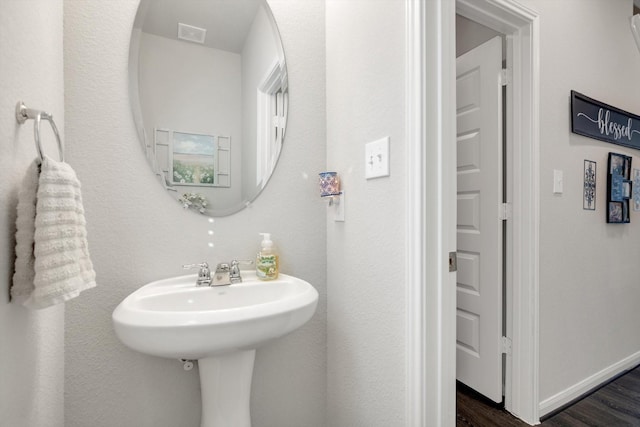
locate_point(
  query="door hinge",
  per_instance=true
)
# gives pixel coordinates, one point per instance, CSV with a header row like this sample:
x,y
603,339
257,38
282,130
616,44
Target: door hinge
x,y
506,345
453,261
505,76
504,211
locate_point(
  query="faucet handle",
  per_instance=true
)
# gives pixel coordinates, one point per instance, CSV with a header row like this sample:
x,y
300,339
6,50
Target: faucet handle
x,y
234,273
235,266
204,274
236,262
203,264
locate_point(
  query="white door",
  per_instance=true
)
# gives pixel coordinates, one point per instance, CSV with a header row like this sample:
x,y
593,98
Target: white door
x,y
479,229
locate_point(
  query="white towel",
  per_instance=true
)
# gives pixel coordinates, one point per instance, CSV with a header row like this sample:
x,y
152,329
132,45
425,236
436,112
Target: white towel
x,y
26,228
60,255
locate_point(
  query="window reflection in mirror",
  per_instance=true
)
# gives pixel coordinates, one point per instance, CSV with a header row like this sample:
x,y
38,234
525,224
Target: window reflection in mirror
x,y
210,97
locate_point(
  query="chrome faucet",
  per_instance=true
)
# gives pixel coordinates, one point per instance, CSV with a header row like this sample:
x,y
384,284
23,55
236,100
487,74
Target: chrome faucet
x,y
228,273
204,274
222,275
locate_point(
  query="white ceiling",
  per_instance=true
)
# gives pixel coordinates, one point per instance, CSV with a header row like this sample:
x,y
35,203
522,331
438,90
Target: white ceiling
x,y
227,21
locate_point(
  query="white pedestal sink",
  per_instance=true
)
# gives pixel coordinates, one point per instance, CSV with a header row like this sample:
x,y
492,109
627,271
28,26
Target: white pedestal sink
x,y
220,327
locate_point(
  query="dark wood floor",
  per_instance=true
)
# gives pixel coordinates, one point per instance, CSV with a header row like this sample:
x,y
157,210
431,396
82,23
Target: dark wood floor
x,y
617,404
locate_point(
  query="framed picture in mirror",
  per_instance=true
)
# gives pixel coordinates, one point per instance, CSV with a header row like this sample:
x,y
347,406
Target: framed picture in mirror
x,y
193,159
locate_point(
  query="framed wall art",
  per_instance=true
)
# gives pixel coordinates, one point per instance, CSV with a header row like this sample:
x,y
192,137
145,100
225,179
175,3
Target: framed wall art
x,y
635,191
589,188
619,188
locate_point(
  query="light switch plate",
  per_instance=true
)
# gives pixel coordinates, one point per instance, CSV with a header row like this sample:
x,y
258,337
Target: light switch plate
x,y
377,158
558,184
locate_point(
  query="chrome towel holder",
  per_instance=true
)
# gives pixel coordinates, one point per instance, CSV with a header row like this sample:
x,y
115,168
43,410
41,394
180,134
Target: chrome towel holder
x,y
23,114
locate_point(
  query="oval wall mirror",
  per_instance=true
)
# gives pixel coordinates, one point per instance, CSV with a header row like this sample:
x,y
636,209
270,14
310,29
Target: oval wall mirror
x,y
209,94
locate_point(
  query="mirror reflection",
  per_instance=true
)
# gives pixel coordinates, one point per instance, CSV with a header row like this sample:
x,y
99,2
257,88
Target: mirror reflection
x,y
209,88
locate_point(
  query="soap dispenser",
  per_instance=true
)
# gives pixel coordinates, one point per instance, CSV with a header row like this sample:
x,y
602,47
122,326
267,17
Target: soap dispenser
x,y
267,259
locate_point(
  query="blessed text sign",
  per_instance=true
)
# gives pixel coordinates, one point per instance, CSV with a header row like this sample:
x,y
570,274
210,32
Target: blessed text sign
x,y
601,121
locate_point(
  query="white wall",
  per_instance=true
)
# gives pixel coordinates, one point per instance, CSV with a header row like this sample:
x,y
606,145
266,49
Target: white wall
x,y
589,290
366,301
176,94
138,234
31,342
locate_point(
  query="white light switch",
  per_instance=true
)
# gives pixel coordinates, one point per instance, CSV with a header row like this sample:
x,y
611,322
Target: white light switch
x,y
558,183
377,158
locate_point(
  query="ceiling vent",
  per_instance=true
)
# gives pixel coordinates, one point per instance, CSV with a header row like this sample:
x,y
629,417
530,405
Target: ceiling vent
x,y
191,33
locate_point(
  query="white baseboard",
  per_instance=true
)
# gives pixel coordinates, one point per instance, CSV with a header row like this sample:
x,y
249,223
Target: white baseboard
x,y
577,390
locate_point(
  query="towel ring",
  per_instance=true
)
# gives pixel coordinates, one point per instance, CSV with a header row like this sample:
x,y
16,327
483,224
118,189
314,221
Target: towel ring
x,y
23,114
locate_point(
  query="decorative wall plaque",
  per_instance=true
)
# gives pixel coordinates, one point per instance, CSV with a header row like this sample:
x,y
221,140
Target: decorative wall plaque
x,y
589,193
595,119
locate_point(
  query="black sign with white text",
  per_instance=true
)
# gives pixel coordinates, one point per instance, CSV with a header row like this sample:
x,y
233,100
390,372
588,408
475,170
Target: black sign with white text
x,y
597,120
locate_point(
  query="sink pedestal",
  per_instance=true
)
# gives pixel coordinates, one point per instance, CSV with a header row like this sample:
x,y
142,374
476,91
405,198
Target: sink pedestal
x,y
225,384
175,319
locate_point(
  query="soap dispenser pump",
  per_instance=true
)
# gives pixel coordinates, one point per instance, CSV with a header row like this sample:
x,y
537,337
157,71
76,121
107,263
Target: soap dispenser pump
x,y
267,259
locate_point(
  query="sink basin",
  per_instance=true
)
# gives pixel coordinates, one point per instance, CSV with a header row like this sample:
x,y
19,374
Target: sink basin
x,y
173,318
220,327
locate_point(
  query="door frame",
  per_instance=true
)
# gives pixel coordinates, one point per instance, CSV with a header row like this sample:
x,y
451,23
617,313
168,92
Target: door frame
x,y
431,207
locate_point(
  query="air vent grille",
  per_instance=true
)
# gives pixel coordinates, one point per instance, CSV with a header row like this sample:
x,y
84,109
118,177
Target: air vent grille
x,y
191,33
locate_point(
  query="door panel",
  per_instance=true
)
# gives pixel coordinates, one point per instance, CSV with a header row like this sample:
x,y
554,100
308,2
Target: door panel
x,y
479,229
